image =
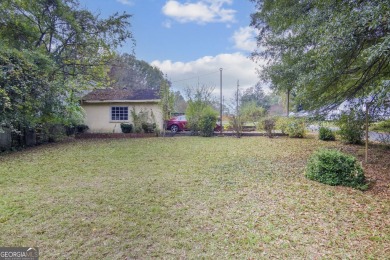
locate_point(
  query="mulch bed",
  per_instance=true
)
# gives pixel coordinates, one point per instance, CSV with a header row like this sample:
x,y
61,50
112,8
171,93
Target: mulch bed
x,y
377,170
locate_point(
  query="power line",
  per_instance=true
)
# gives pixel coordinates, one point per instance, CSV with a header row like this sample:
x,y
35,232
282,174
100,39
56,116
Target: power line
x,y
194,77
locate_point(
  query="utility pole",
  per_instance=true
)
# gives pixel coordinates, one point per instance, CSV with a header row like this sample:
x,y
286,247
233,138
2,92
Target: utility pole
x,y
220,114
223,105
238,85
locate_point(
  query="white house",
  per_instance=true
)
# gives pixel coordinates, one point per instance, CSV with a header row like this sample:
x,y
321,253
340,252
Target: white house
x,y
106,109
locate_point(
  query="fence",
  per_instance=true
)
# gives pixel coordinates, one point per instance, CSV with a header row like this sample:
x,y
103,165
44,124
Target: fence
x,y
30,136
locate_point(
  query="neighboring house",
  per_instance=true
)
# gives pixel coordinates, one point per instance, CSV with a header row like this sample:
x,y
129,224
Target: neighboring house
x,y
106,109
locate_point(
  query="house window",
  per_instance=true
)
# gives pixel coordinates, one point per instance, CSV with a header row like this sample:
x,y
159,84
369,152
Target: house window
x,y
119,113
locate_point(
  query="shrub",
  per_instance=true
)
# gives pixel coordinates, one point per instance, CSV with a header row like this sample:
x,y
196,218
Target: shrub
x,y
81,129
296,128
126,128
268,126
193,113
148,127
335,168
251,112
138,129
207,122
56,132
281,124
326,134
236,124
351,126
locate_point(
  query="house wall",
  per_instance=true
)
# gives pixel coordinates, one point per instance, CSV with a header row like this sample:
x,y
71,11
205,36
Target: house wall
x,y
98,115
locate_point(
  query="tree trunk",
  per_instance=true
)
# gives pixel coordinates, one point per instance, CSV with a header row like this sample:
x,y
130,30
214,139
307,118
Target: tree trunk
x,y
288,102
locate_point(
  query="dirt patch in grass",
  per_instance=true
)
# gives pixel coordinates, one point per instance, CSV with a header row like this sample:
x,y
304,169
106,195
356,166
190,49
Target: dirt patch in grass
x,y
189,197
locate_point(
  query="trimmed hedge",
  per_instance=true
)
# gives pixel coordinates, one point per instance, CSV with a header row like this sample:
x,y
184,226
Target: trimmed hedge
x,y
336,168
126,128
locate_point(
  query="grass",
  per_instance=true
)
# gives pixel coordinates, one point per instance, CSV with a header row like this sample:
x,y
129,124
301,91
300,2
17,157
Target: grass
x,y
382,126
185,197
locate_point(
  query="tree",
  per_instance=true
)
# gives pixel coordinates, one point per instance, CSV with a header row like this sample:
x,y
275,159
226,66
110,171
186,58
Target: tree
x,y
256,94
199,100
78,41
128,72
167,99
25,91
49,51
251,112
180,104
327,51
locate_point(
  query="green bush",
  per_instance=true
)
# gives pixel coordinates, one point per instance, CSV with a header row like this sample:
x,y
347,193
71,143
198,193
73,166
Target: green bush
x,y
193,113
207,122
296,128
126,128
281,124
335,168
326,134
148,127
201,118
79,129
351,126
138,129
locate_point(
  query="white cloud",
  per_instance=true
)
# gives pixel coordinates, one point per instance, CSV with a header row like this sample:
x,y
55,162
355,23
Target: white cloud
x,y
205,71
202,11
245,39
126,2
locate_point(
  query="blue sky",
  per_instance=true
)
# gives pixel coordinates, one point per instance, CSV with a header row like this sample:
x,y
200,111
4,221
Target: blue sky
x,y
189,40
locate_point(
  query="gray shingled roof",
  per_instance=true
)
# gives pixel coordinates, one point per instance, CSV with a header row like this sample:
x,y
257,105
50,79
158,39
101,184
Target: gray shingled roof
x,y
121,94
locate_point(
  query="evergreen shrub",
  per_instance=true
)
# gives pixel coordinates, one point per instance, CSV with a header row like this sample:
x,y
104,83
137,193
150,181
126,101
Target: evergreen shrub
x,y
326,134
126,128
333,167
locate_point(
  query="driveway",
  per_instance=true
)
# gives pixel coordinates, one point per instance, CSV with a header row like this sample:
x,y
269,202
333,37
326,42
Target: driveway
x,y
379,137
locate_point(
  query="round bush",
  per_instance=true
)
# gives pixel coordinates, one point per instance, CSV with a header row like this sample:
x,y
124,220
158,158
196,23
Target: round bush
x,y
335,168
207,124
296,128
351,126
207,121
126,128
326,134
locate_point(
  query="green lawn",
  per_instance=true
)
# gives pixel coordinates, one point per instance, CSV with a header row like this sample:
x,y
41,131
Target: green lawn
x,y
185,197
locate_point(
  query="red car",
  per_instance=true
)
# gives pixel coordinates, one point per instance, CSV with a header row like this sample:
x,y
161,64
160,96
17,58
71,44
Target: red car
x,y
176,124
179,123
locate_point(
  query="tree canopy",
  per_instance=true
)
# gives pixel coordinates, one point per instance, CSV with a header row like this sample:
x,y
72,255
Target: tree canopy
x,y
128,72
256,94
326,51
50,50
